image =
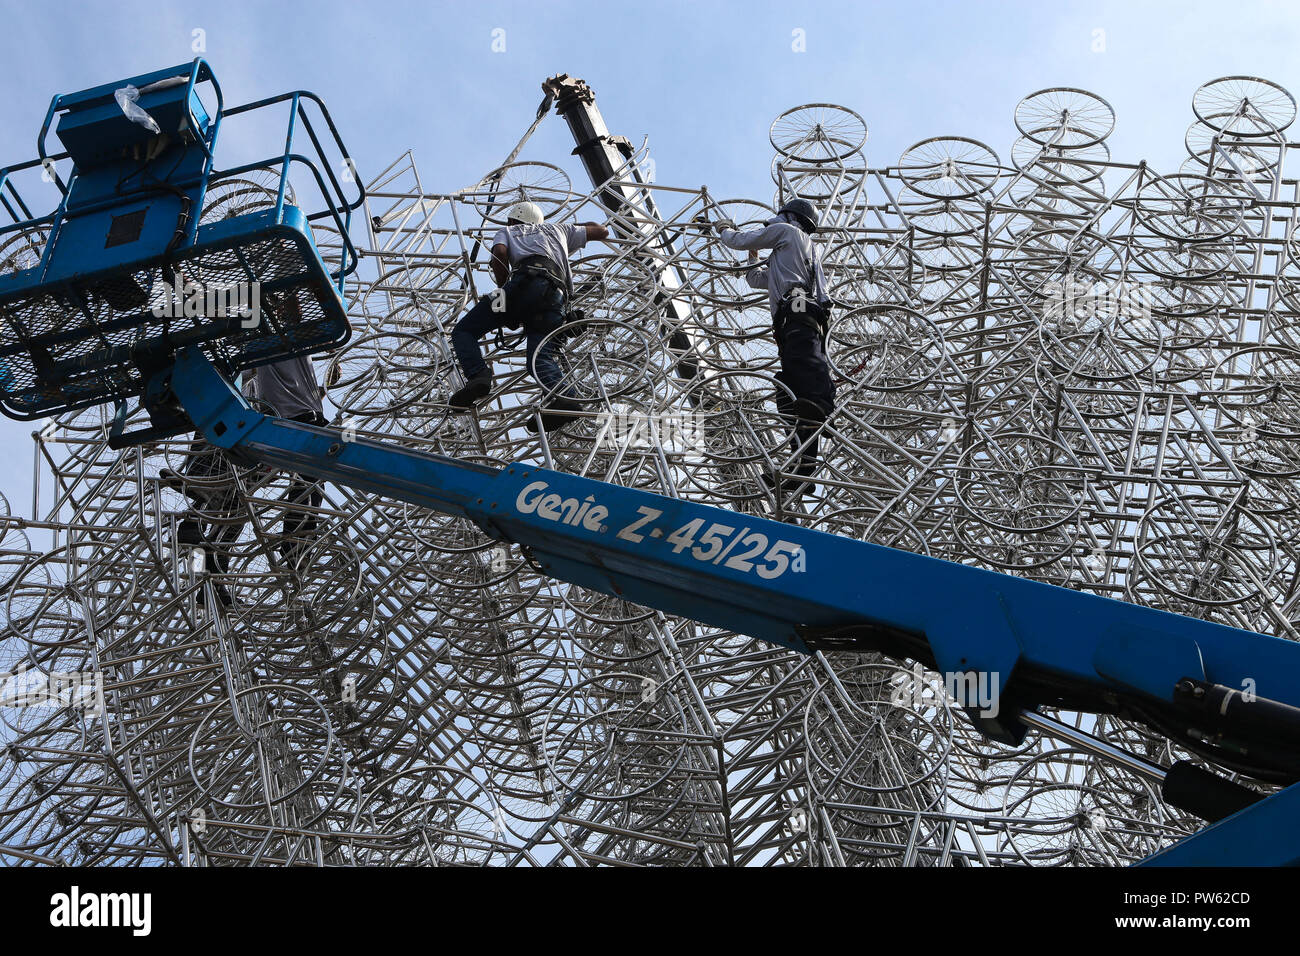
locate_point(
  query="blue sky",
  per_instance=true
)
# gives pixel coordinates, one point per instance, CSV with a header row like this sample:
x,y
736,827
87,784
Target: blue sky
x,y
703,79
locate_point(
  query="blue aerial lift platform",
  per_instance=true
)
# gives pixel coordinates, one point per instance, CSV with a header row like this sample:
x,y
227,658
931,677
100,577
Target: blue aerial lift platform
x,y
98,316
79,329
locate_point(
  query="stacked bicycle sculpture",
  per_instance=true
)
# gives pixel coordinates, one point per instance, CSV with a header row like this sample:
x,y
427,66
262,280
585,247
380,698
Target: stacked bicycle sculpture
x,y
1051,363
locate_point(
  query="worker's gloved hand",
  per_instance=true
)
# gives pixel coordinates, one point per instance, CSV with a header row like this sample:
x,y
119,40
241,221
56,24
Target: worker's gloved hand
x,y
721,224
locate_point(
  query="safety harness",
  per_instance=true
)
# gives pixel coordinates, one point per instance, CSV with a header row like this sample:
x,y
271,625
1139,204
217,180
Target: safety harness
x,y
544,268
814,313
538,267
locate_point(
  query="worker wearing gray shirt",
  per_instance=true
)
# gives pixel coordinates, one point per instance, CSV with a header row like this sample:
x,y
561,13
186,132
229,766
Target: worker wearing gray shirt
x,y
796,289
290,388
530,262
216,518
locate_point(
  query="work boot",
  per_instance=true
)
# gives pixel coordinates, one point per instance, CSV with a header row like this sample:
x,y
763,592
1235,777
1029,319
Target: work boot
x,y
805,486
472,392
553,416
171,478
810,410
222,592
561,404
190,532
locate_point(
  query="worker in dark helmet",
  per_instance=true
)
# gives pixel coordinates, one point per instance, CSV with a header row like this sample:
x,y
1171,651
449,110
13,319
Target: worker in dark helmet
x,y
530,262
800,307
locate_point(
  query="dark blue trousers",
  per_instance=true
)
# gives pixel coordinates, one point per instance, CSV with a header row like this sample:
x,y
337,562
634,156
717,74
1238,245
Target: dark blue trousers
x,y
528,300
801,345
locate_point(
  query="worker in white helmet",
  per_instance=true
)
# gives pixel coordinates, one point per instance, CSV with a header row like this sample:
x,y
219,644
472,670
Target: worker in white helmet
x,y
800,307
530,262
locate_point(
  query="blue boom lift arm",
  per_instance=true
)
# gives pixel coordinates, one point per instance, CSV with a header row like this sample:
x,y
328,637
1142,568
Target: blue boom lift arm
x,y
83,328
1037,644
